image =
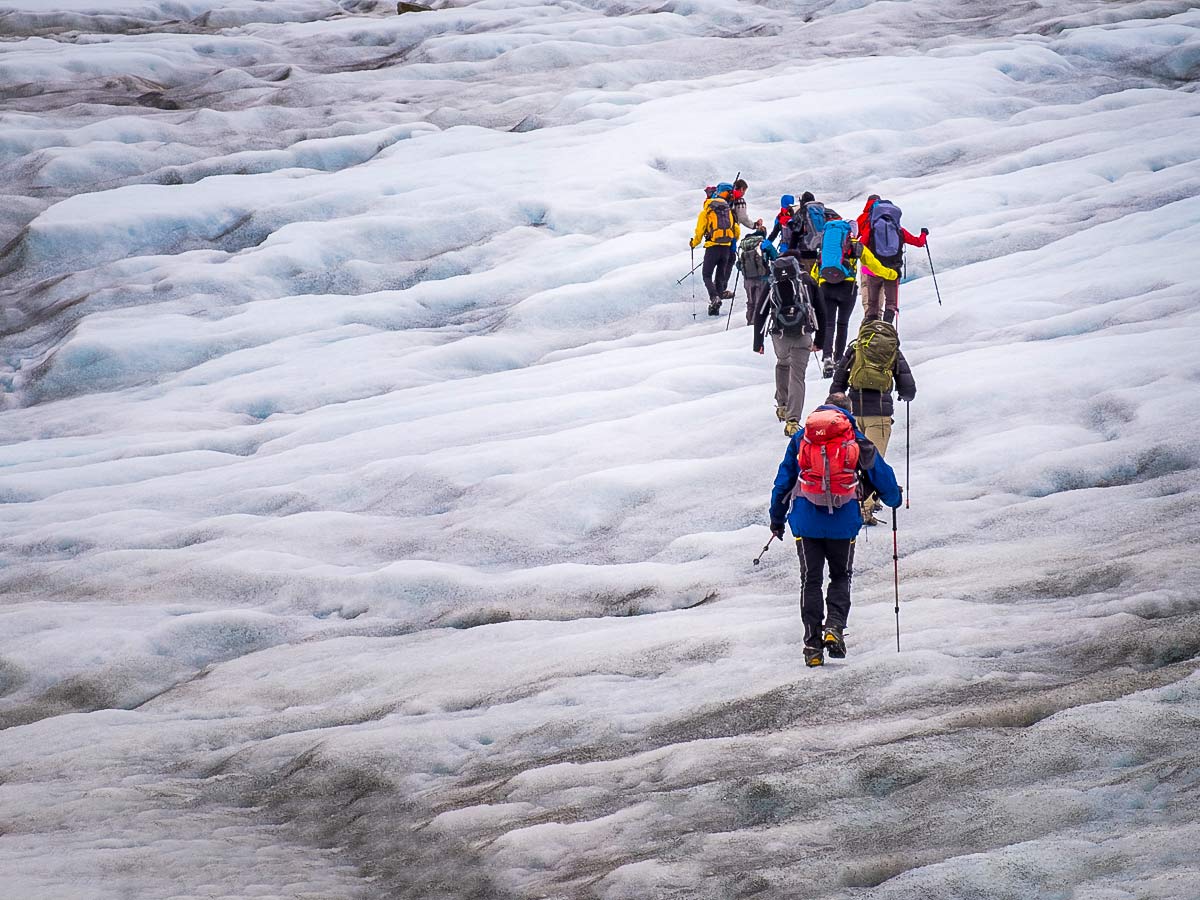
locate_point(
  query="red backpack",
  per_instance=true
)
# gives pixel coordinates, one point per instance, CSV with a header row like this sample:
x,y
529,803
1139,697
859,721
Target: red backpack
x,y
828,460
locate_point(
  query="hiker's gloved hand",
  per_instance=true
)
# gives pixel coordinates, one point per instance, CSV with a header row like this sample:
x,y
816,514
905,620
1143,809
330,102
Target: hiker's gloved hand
x,y
904,399
924,231
692,243
777,530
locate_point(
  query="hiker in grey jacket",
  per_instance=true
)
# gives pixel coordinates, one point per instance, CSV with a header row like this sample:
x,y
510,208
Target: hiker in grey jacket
x,y
740,215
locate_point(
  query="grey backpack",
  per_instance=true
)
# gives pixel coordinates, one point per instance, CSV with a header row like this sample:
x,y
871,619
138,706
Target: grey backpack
x,y
749,258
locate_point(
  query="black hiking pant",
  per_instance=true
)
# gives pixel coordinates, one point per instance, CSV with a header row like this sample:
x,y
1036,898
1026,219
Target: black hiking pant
x,y
814,553
839,306
718,264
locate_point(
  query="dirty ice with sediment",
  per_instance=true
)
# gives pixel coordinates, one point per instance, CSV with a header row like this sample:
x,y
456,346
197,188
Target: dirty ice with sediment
x,y
376,519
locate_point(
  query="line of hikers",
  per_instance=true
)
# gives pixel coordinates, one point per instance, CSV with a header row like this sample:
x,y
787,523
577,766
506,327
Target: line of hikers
x,y
802,293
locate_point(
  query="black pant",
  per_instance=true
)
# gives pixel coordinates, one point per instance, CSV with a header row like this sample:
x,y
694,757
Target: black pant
x,y
839,305
718,264
814,553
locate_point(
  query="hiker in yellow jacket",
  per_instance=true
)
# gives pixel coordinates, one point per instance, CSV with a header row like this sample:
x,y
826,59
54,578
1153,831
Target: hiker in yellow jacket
x,y
717,229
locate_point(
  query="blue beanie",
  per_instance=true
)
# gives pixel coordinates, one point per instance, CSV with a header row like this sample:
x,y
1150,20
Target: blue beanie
x,y
786,200
724,188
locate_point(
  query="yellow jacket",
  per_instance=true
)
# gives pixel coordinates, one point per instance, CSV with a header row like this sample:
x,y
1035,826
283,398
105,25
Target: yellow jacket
x,y
706,228
872,264
869,261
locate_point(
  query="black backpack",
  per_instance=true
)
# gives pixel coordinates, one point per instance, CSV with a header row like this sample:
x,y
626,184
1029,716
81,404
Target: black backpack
x,y
793,297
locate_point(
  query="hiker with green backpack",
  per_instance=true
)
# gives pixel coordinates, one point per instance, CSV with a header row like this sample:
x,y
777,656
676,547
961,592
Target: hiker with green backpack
x,y
871,368
753,261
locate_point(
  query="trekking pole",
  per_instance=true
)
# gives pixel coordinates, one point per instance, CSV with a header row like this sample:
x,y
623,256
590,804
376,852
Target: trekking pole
x,y
694,268
729,317
896,576
933,273
907,446
766,547
693,274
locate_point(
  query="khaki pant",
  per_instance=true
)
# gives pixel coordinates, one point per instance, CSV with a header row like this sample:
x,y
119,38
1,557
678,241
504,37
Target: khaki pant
x,y
876,292
791,361
878,430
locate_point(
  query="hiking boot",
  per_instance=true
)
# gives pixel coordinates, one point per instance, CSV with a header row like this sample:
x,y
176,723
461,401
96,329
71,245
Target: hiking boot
x,y
827,367
781,413
835,644
790,427
813,656
714,307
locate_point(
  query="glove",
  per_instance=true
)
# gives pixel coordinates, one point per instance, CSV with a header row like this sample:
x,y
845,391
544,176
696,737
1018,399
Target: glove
x,y
692,243
777,530
904,399
924,231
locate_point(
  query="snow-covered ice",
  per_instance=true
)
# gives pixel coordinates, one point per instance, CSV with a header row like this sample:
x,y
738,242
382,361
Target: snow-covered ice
x,y
376,519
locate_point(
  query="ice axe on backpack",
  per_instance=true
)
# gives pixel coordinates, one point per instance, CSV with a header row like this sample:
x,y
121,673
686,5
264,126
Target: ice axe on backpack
x,y
729,317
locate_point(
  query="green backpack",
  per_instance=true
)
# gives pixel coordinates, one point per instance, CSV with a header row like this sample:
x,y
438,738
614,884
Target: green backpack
x,y
752,262
874,357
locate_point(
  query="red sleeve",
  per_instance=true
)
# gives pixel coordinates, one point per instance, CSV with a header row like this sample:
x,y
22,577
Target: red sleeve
x,y
918,241
864,222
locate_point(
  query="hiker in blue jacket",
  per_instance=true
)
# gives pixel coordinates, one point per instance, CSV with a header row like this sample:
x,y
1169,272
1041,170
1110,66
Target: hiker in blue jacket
x,y
781,220
825,534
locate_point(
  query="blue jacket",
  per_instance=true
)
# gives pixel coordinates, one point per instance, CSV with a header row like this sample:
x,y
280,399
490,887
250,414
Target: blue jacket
x,y
806,518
